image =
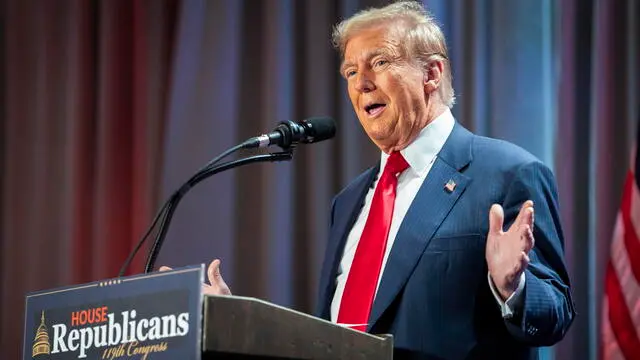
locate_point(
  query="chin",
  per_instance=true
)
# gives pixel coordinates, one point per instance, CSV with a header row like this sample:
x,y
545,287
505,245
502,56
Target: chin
x,y
380,132
383,141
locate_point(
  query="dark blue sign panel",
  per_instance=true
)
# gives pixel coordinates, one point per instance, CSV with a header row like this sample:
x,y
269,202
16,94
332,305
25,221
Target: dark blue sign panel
x,y
144,317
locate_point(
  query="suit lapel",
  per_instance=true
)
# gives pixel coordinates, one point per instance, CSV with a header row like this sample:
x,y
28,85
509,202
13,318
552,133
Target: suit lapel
x,y
430,207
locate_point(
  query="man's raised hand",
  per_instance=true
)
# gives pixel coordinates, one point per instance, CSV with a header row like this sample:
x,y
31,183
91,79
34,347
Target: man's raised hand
x,y
507,253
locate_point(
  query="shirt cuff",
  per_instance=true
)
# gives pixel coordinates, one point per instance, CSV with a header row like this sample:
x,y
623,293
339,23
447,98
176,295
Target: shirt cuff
x,y
514,301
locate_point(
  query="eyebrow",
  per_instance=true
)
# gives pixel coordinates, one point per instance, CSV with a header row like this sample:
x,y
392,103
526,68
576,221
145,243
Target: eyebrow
x,y
368,56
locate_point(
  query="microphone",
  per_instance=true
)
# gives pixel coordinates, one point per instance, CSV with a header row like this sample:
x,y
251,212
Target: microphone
x,y
289,133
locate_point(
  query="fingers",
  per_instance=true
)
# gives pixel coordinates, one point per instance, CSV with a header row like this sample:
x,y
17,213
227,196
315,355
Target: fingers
x,y
532,217
527,217
496,219
526,236
165,268
524,216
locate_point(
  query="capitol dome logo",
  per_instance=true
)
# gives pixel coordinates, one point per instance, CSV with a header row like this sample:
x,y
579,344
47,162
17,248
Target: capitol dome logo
x,y
41,344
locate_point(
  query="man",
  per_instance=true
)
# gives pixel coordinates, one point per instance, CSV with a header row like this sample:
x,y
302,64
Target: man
x,y
412,250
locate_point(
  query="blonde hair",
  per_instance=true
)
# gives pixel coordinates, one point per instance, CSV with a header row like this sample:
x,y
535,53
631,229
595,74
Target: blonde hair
x,y
423,39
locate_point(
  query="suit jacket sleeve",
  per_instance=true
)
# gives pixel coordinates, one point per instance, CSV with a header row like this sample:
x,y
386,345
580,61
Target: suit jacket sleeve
x,y
547,310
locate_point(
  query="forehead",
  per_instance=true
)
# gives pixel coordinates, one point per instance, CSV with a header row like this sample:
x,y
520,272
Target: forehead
x,y
369,42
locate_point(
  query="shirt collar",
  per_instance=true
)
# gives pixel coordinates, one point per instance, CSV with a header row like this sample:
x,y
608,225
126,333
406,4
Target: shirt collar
x,y
423,150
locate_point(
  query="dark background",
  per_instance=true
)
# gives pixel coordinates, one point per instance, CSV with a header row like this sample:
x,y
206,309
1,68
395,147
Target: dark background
x,y
107,106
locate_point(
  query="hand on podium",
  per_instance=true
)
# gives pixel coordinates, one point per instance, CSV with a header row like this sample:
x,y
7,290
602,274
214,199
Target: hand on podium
x,y
218,286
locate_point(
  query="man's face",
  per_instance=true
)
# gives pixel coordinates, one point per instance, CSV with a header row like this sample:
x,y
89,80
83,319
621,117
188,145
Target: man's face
x,y
387,90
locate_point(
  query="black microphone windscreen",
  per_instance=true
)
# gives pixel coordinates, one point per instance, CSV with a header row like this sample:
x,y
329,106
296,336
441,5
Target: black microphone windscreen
x,y
319,128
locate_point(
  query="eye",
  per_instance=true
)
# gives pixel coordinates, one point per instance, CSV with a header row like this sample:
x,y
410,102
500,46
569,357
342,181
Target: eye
x,y
380,62
349,73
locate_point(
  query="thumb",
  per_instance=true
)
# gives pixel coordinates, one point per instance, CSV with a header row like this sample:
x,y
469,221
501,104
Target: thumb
x,y
213,272
496,219
165,268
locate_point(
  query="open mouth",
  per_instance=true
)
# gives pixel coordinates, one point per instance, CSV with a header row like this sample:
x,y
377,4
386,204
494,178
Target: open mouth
x,y
374,109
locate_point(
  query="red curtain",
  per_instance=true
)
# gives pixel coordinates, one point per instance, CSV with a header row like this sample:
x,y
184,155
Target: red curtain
x,y
84,105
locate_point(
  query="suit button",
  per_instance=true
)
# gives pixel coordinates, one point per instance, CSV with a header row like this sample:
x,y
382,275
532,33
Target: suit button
x,y
531,330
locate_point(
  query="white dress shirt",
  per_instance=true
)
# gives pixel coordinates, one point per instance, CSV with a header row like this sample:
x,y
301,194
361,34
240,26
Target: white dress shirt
x,y
420,155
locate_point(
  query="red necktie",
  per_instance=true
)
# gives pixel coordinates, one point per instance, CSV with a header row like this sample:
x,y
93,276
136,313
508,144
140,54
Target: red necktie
x,y
362,280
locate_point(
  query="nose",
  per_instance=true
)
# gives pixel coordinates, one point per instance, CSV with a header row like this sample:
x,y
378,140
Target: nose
x,y
364,83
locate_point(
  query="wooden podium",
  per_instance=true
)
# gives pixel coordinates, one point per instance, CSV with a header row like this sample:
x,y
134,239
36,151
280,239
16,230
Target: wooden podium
x,y
248,328
165,316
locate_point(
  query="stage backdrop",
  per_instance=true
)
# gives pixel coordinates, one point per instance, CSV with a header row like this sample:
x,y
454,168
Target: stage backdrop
x,y
107,106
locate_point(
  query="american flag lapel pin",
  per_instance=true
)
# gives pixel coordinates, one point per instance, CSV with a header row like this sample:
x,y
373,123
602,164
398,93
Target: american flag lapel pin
x,y
450,186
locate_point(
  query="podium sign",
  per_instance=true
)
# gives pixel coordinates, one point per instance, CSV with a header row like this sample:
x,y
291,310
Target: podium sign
x,y
153,316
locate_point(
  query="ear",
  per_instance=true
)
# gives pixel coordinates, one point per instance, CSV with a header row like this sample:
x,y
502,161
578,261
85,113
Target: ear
x,y
433,75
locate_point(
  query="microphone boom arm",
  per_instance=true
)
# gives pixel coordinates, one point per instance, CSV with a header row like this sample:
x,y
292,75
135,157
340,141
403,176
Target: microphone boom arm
x,y
168,208
198,177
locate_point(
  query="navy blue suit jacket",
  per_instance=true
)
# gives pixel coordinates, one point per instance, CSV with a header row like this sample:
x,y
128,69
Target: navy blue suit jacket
x,y
434,295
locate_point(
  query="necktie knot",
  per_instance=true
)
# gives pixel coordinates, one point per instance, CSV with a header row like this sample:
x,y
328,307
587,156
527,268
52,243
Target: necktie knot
x,y
396,163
